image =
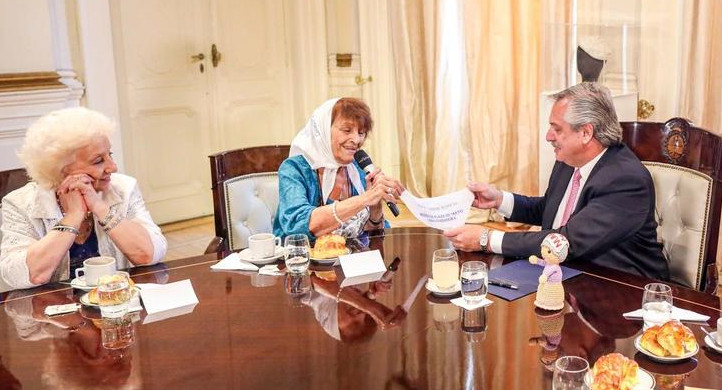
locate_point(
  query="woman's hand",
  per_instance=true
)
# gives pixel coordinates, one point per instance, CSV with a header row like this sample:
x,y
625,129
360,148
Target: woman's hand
x,y
380,187
83,184
72,201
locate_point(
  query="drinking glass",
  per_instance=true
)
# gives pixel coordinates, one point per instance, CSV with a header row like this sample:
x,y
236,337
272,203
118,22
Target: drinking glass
x,y
569,372
114,294
297,253
117,333
445,268
474,281
656,304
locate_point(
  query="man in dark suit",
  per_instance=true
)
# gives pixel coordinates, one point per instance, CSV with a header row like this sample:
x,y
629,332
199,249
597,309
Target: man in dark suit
x,y
600,196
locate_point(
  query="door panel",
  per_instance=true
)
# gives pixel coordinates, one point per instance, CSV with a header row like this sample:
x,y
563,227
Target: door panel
x,y
175,115
252,82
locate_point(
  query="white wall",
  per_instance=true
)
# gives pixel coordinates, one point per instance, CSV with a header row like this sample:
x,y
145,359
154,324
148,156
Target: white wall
x,y
25,36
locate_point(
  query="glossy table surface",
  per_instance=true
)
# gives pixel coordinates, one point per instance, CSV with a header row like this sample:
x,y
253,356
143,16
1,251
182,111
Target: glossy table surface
x,y
249,331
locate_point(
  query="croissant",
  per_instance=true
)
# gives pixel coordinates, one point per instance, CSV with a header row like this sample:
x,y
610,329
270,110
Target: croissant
x,y
329,246
650,343
614,372
676,338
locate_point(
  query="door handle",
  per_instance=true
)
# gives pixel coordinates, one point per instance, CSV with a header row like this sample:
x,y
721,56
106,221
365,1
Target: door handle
x,y
361,80
215,55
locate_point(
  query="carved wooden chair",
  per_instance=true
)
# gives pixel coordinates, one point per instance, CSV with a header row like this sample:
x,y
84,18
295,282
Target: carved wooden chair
x,y
686,166
245,194
9,181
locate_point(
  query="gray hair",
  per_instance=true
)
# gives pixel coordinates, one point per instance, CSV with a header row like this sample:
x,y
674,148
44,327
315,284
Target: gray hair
x,y
592,103
52,141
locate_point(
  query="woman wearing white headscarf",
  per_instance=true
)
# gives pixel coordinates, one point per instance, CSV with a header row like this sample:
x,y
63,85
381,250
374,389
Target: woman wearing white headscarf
x,y
322,189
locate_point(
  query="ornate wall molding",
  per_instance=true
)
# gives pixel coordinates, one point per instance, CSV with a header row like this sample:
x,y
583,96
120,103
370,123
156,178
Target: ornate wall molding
x,y
10,82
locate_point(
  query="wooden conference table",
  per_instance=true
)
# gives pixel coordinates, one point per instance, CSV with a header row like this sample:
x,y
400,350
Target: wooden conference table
x,y
249,332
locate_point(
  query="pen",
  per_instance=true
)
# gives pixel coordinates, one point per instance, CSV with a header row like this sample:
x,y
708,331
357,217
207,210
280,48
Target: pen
x,y
504,283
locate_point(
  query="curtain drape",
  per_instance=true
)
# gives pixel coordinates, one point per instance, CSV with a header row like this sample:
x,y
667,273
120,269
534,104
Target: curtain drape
x,y
467,90
701,86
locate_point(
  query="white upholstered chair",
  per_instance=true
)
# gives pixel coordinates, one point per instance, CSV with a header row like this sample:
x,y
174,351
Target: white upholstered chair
x,y
686,164
245,194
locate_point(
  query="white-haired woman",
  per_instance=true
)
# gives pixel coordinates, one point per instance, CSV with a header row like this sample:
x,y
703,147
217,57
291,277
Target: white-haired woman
x,y
76,205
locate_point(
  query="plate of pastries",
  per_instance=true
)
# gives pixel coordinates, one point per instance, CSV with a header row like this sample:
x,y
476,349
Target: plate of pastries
x,y
328,248
667,343
91,297
615,371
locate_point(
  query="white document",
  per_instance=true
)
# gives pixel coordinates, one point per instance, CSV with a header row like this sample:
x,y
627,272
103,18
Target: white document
x,y
442,212
172,296
362,267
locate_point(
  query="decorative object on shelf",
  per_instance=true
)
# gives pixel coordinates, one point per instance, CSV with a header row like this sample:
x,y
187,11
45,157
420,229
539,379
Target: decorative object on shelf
x,y
554,250
645,109
592,53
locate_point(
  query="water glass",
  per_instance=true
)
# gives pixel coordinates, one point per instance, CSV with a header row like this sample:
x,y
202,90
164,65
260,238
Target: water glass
x,y
474,281
656,304
297,253
569,372
114,294
445,268
117,333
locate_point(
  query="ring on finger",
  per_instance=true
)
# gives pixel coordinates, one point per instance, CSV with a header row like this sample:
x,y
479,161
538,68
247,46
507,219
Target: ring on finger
x,y
390,191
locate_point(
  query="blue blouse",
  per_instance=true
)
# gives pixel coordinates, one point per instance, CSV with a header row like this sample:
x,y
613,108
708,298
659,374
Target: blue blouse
x,y
299,193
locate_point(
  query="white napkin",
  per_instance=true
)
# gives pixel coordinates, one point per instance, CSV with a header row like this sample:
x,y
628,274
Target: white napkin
x,y
271,269
134,304
233,262
461,302
677,314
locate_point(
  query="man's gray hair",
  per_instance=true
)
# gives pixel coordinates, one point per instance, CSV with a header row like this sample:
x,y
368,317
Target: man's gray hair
x,y
592,103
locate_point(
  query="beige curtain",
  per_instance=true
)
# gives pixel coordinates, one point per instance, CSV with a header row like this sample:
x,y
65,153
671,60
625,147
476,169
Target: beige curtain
x,y
701,91
467,84
503,42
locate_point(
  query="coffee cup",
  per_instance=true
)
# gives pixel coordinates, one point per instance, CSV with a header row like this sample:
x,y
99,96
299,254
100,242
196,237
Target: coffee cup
x,y
263,245
95,267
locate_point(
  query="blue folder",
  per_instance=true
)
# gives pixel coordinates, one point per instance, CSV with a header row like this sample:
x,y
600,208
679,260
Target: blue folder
x,y
525,275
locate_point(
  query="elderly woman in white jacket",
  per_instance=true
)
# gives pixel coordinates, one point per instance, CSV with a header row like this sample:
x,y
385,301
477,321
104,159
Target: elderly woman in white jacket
x,y
76,205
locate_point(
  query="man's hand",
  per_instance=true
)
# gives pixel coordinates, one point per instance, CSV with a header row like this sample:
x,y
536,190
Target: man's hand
x,y
486,196
465,237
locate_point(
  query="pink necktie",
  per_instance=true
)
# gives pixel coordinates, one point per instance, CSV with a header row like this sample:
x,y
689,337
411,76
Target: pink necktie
x,y
576,179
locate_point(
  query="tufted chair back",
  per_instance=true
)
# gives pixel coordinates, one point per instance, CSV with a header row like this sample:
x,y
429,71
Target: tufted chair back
x,y
245,193
686,166
9,181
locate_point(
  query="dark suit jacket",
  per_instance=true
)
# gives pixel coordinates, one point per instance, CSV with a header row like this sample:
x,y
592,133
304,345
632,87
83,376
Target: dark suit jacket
x,y
613,223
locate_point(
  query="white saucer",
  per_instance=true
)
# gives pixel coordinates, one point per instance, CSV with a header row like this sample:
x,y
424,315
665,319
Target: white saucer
x,y
447,292
645,381
79,283
663,359
709,341
245,255
329,261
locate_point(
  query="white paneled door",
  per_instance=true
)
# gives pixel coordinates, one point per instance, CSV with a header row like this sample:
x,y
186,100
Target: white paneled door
x,y
197,77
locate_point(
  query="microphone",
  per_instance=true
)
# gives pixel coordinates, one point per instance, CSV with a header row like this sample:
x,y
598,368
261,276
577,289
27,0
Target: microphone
x,y
364,161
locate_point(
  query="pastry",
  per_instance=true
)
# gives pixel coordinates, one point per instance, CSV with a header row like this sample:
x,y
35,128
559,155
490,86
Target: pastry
x,y
329,246
614,372
650,343
93,294
676,338
671,339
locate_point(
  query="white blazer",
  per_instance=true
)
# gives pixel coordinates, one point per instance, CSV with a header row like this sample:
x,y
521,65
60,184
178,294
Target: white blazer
x,y
30,212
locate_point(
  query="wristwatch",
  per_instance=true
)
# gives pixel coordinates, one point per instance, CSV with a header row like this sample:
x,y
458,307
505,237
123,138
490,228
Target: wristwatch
x,y
484,240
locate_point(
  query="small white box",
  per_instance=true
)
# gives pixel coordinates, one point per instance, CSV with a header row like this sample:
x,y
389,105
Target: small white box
x,y
362,267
